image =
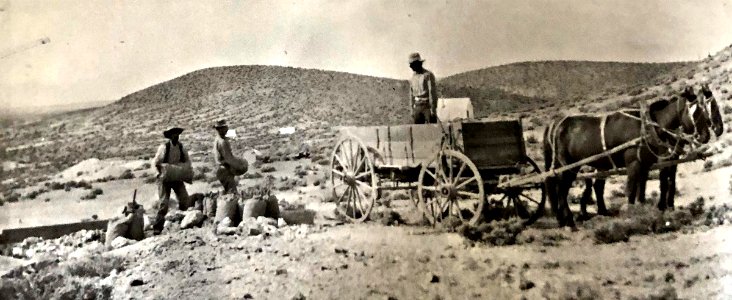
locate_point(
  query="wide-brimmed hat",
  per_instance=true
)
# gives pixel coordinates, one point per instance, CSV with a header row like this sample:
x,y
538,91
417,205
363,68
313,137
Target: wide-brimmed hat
x,y
172,131
220,124
414,57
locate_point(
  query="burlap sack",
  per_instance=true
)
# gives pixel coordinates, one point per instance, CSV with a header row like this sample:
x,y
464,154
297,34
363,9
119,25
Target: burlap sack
x,y
136,229
227,207
273,208
209,207
177,173
239,166
117,227
252,208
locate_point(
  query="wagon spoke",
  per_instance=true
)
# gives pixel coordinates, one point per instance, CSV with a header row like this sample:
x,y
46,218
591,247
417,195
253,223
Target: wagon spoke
x,y
460,172
442,173
339,173
352,197
340,162
340,198
363,184
362,175
459,211
465,183
361,163
529,198
468,194
429,188
430,173
360,196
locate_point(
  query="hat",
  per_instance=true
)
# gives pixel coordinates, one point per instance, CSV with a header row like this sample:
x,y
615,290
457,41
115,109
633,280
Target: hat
x,y
172,131
415,57
220,124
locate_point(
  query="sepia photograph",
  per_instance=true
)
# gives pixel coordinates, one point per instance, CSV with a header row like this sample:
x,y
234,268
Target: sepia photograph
x,y
366,149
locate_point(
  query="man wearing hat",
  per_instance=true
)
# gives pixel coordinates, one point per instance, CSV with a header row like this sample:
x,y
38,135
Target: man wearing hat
x,y
171,152
223,157
422,92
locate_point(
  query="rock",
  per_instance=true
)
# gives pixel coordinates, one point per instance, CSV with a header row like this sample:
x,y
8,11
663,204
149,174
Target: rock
x,y
432,278
91,236
226,230
136,282
251,231
175,216
121,241
17,252
147,225
226,222
526,284
341,251
281,272
266,221
191,219
299,296
281,223
247,296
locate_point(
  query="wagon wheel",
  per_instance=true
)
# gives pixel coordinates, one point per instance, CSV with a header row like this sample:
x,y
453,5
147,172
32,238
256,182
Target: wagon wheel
x,y
450,185
522,202
353,180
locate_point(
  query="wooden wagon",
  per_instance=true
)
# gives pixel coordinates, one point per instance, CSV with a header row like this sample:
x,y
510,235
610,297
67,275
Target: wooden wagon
x,y
452,167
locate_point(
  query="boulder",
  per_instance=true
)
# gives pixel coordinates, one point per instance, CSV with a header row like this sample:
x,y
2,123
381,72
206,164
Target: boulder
x,y
120,242
192,218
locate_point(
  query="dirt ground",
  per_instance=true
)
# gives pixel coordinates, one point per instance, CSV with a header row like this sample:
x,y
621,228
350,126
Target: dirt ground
x,y
330,260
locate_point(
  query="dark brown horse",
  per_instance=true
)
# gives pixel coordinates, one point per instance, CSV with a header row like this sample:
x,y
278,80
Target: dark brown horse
x,y
667,175
574,138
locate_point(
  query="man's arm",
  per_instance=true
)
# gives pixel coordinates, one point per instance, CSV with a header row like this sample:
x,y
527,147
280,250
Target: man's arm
x,y
432,88
158,159
411,99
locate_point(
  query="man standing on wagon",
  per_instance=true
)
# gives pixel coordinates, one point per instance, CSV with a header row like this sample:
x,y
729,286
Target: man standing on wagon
x,y
422,92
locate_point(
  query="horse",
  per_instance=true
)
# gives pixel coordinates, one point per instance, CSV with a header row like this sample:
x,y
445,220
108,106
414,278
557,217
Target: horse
x,y
574,138
667,175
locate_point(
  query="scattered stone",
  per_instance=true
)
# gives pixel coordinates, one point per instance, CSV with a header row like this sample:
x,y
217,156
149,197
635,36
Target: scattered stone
x,y
226,230
526,284
281,223
341,251
248,296
432,278
266,221
299,296
191,219
121,241
226,222
137,282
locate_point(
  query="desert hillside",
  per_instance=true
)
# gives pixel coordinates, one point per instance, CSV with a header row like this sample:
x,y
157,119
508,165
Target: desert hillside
x,y
554,80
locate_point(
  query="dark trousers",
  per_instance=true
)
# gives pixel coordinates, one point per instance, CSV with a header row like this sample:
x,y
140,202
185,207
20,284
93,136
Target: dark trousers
x,y
422,114
164,201
227,179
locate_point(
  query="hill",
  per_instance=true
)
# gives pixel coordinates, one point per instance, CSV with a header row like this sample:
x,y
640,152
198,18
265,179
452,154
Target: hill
x,y
513,87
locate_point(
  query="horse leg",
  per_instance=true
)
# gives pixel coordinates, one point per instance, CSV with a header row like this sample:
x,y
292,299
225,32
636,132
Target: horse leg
x,y
565,216
599,187
671,187
642,180
586,197
664,186
631,186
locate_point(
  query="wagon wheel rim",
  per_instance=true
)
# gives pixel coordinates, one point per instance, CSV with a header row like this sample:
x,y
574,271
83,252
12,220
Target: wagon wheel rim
x,y
447,185
525,205
353,180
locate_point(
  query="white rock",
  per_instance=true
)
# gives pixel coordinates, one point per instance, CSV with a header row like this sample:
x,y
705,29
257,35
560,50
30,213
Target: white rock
x,y
226,230
120,242
30,253
281,223
192,218
17,252
266,221
226,222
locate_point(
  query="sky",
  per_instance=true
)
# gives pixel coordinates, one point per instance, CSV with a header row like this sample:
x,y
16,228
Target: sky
x,y
104,50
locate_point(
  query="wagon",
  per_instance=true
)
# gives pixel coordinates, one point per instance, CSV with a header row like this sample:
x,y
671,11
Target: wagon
x,y
456,168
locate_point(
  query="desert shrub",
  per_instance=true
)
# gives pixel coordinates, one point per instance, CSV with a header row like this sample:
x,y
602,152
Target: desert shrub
x,y
498,233
268,169
727,109
56,186
708,165
12,197
97,191
34,194
127,174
